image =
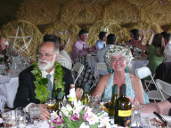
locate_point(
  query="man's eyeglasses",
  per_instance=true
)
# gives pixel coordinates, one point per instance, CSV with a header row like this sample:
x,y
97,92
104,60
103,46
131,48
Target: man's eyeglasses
x,y
45,54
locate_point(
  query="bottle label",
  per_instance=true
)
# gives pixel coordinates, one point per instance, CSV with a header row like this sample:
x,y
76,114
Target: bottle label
x,y
124,113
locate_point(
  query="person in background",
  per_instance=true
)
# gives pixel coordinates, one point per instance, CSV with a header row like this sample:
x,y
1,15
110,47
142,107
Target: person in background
x,y
136,43
155,52
33,88
80,48
118,57
166,37
63,57
164,69
14,61
3,44
167,51
163,72
101,43
111,40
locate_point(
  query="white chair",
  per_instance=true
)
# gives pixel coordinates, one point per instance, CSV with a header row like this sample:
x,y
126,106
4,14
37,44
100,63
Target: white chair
x,y
145,72
78,68
3,101
100,69
165,88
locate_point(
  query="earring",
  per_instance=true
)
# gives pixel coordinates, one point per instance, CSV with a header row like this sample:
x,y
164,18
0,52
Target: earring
x,y
110,70
126,70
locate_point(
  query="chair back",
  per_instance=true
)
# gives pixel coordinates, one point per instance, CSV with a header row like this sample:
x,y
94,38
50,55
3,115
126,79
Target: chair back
x,y
165,88
101,68
143,72
78,68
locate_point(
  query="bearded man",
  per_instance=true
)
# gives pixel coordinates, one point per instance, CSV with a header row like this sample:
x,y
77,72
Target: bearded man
x,y
44,79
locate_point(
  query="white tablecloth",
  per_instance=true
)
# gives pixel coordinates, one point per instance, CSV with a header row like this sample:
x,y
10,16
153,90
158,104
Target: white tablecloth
x,y
41,124
8,88
137,63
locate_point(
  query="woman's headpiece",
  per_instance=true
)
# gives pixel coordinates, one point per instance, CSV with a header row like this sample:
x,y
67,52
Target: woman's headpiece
x,y
116,50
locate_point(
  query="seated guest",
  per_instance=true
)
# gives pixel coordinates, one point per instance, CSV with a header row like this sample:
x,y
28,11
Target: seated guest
x,y
3,44
3,51
118,57
136,43
166,37
63,58
11,57
80,48
163,72
155,52
167,51
111,38
160,107
44,79
101,43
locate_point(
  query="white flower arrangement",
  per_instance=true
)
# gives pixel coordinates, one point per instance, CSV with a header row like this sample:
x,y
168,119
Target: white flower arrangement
x,y
79,116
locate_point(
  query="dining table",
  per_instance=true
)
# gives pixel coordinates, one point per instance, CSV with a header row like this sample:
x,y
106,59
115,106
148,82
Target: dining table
x,y
146,120
8,88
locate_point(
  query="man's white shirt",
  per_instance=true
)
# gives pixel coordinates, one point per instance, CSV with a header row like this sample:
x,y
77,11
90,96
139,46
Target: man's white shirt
x,y
44,74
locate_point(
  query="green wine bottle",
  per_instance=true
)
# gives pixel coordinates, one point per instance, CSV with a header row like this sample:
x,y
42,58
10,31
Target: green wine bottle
x,y
113,100
59,98
123,109
86,96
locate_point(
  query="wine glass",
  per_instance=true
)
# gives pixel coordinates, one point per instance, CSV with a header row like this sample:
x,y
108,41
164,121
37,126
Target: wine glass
x,y
95,101
51,105
136,114
34,112
20,118
9,119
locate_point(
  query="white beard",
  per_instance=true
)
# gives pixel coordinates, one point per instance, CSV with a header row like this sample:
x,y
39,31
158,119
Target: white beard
x,y
46,65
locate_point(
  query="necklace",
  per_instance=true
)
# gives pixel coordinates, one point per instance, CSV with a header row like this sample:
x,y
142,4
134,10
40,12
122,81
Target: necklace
x,y
41,90
119,79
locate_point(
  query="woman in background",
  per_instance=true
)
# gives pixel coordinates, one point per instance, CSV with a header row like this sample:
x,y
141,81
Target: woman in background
x,y
155,52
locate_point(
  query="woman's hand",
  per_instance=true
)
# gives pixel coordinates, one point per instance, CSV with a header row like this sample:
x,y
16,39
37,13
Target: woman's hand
x,y
79,93
44,114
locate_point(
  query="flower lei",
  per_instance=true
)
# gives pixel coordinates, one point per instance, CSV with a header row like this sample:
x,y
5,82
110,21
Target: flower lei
x,y
41,90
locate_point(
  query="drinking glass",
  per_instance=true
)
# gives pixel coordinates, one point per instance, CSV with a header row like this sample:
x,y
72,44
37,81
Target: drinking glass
x,y
136,119
20,118
34,112
95,101
136,114
51,104
9,119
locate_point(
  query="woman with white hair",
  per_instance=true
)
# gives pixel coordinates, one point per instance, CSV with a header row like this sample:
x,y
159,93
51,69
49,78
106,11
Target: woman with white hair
x,y
118,57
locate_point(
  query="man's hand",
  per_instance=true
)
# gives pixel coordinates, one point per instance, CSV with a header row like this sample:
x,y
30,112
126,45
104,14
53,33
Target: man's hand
x,y
44,114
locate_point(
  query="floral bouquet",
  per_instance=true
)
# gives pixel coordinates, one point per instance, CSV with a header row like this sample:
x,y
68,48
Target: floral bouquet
x,y
79,116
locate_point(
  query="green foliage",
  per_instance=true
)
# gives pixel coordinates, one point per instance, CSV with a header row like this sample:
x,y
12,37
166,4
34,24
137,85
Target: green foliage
x,y
41,89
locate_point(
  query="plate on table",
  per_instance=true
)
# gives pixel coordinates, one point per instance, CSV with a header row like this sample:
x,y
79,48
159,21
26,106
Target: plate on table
x,y
151,118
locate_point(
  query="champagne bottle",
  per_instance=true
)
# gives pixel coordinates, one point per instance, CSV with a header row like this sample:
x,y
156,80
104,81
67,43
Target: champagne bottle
x,y
59,98
113,100
123,109
86,97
